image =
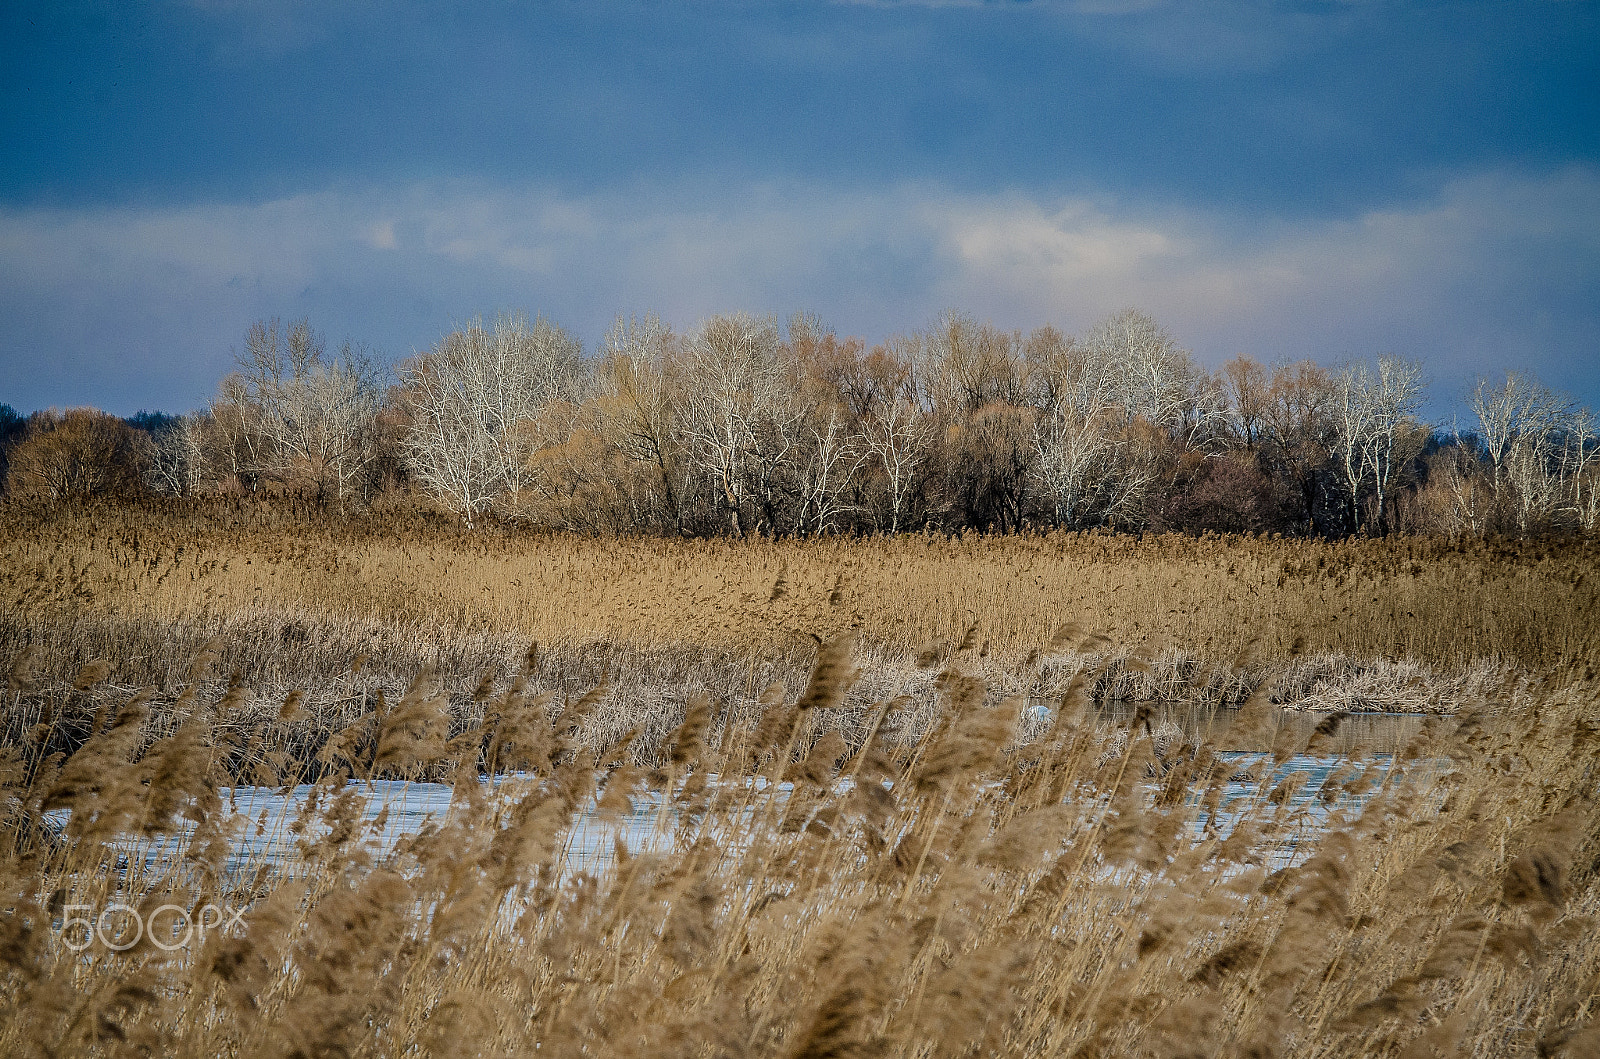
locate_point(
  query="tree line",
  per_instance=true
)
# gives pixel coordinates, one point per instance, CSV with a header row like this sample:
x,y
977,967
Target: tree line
x,y
745,426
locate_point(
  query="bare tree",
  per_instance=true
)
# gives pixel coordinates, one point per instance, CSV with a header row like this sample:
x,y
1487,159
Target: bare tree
x,y
1532,473
12,427
834,459
824,375
736,413
82,452
178,456
895,427
1297,436
636,403
478,403
746,427
1372,413
965,366
314,414
975,378
1152,377
241,444
1247,387
1075,433
1520,425
1580,469
888,407
1395,439
1117,411
1458,490
1517,409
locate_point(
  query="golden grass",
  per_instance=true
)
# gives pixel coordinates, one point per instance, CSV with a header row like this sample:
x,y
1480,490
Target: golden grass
x,y
892,821
1530,604
288,599
978,890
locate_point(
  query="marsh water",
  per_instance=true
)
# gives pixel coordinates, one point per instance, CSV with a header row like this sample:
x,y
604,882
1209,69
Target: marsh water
x,y
1358,736
264,818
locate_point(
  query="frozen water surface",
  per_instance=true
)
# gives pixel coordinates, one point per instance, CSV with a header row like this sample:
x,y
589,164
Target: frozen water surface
x,y
263,817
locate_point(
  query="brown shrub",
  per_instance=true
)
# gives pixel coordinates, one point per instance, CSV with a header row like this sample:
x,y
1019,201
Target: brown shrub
x,y
78,453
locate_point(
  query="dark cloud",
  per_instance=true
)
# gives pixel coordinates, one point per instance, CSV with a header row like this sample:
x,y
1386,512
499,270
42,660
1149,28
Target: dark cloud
x,y
1491,271
1310,177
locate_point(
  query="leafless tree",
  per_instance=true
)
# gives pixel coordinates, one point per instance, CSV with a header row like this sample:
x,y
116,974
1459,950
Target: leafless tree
x,y
1580,468
889,416
1248,389
834,459
1297,439
965,366
737,419
1116,410
895,429
636,403
1075,432
1517,411
1535,487
825,379
1151,376
975,381
1372,412
478,404
240,444
178,456
314,414
1521,427
82,452
1461,493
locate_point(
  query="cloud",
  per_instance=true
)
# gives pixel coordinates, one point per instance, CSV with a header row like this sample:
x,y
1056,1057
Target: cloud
x,y
382,236
140,307
272,29
1224,36
1490,272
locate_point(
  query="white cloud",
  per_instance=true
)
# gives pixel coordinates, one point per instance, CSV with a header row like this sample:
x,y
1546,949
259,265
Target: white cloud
x,y
382,236
1490,271
128,307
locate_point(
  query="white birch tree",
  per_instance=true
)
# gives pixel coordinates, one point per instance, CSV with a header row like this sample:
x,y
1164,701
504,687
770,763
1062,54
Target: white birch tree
x,y
1371,411
1074,434
315,415
178,456
734,409
477,402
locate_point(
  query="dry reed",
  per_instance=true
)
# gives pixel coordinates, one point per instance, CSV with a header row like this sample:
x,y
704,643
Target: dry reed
x,y
849,856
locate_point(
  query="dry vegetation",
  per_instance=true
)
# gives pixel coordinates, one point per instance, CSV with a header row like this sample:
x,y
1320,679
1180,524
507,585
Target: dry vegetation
x,y
1434,601
967,857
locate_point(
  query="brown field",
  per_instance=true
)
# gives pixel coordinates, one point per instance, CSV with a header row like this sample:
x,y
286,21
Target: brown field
x,y
1442,603
1010,870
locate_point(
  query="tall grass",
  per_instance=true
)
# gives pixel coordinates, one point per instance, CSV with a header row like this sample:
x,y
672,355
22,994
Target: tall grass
x,y
1433,601
914,797
984,886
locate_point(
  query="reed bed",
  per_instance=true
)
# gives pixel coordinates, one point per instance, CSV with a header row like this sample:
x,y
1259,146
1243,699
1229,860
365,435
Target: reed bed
x,y
914,797
339,670
984,885
1446,604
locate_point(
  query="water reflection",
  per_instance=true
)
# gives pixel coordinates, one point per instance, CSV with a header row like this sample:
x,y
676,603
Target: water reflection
x,y
1359,735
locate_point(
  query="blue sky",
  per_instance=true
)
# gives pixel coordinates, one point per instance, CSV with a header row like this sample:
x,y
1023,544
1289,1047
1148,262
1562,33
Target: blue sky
x,y
1332,179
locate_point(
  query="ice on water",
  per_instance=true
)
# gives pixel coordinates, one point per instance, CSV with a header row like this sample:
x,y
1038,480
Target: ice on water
x,y
261,817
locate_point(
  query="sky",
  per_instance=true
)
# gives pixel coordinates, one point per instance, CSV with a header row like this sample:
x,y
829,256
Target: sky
x,y
1334,179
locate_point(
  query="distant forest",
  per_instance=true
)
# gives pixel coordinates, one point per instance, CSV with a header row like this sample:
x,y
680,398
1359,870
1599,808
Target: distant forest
x,y
745,426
